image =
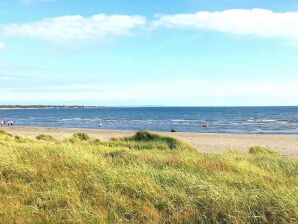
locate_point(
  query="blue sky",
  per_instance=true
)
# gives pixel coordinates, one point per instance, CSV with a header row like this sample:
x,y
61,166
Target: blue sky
x,y
166,52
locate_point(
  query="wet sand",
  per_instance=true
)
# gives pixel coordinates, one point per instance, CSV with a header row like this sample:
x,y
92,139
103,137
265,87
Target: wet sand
x,y
287,145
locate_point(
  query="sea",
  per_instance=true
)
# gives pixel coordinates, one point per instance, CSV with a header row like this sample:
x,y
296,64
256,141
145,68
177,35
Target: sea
x,y
241,120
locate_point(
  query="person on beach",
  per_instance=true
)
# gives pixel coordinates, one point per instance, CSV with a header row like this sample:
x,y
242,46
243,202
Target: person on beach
x,y
2,123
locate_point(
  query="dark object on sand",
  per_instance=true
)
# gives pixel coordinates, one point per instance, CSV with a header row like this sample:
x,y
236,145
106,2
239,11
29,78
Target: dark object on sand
x,y
173,130
205,125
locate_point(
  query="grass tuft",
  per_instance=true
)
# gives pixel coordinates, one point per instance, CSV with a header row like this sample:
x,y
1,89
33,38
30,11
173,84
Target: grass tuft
x,y
152,140
4,134
46,138
259,150
79,137
82,136
146,136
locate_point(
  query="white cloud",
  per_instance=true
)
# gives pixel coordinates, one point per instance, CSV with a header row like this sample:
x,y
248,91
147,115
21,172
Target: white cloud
x,y
241,22
255,22
76,28
2,46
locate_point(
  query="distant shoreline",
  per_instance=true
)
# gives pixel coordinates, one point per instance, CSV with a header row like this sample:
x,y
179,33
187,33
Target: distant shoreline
x,y
16,107
22,107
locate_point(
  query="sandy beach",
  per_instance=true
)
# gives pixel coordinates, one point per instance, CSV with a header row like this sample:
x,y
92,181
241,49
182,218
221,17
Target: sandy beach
x,y
287,145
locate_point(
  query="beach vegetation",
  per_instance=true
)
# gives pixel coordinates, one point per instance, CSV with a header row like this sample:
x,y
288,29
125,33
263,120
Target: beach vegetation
x,y
259,150
20,139
146,178
79,137
82,136
148,140
4,134
45,137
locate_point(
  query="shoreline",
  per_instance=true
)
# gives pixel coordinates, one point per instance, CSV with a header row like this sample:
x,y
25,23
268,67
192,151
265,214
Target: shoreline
x,y
285,144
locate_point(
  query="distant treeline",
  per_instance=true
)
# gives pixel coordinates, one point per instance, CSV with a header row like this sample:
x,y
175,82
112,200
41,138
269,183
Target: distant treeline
x,y
44,107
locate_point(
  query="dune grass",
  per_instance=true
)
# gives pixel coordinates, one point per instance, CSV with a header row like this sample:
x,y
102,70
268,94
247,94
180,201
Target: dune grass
x,y
146,178
45,138
258,150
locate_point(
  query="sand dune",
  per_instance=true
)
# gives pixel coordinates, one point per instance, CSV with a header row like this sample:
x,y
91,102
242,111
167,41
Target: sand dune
x,y
287,145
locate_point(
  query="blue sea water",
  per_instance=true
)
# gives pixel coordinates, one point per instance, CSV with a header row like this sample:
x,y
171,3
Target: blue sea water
x,y
278,120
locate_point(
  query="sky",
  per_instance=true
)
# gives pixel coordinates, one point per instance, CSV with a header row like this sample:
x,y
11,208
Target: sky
x,y
145,53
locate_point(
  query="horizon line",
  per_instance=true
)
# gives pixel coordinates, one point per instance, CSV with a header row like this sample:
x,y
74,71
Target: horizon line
x,y
135,106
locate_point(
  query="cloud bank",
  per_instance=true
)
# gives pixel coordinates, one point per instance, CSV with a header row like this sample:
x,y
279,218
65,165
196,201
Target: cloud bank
x,y
243,22
76,28
2,46
261,23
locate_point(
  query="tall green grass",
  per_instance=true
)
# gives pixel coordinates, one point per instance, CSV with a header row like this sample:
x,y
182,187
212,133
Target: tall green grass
x,y
146,178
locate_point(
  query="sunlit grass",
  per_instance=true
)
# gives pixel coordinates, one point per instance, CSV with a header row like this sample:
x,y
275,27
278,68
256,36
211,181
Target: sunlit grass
x,y
146,178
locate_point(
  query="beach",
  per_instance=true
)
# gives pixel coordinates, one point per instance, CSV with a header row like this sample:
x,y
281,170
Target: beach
x,y
287,145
